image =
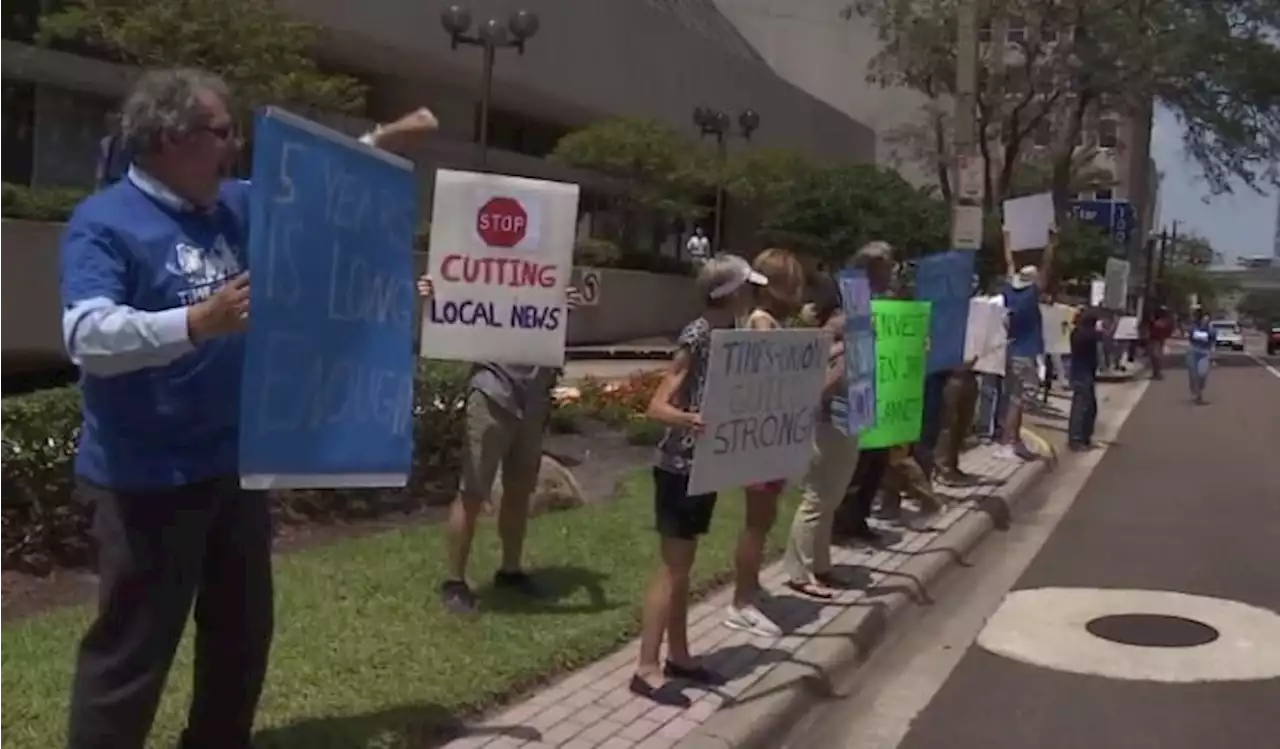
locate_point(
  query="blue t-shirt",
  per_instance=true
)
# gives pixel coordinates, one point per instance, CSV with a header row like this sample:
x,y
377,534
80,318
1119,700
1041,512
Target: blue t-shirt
x,y
1026,331
1201,338
175,424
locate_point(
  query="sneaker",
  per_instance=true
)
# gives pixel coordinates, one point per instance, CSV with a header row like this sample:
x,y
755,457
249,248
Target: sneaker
x,y
1006,452
867,534
458,598
518,581
751,619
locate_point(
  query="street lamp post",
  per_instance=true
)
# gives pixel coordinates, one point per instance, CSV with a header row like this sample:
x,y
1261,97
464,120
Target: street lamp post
x,y
490,37
716,122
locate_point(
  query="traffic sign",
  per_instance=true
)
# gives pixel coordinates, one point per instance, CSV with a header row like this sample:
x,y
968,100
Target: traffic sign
x,y
502,222
1114,217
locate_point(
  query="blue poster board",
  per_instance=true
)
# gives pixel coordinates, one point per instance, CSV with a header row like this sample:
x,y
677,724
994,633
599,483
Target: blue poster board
x,y
329,365
946,280
859,351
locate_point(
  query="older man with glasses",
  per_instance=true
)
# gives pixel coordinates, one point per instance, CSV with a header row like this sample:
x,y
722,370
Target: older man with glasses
x,y
156,297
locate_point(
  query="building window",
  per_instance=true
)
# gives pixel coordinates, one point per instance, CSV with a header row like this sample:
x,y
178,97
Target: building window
x,y
509,131
21,19
984,33
1108,133
19,127
1104,194
1016,32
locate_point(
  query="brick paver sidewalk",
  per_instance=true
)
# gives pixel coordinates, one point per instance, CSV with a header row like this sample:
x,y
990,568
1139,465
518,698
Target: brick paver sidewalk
x,y
592,707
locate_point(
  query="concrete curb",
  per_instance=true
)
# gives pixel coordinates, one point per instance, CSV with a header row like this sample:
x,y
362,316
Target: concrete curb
x,y
760,717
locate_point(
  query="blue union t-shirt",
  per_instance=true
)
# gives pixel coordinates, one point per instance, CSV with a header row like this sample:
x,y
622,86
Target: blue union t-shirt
x,y
170,425
1026,331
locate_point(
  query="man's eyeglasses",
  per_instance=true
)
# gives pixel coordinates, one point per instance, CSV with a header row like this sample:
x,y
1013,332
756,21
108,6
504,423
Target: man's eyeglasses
x,y
221,132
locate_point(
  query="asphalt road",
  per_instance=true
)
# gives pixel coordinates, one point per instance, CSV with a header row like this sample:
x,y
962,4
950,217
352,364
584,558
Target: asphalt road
x,y
1180,517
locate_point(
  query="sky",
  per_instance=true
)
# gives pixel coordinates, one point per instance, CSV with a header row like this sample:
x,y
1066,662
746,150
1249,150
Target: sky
x,y
1242,224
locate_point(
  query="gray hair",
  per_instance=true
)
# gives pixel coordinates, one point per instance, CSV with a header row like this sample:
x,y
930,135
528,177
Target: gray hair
x,y
872,252
167,103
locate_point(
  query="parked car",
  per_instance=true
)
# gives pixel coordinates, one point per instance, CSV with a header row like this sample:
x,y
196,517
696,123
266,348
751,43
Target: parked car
x,y
1273,339
1229,335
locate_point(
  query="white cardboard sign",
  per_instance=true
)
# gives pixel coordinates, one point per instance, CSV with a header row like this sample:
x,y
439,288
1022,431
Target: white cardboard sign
x,y
500,259
1027,220
760,405
1055,322
1115,284
986,337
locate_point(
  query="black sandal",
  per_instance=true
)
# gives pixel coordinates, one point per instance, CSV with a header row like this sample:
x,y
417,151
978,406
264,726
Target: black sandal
x,y
666,694
695,674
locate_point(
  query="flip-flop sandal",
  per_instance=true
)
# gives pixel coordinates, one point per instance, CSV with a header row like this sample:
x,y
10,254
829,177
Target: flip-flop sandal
x,y
813,591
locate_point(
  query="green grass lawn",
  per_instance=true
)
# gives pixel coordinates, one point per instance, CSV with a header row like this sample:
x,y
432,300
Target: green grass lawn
x,y
364,655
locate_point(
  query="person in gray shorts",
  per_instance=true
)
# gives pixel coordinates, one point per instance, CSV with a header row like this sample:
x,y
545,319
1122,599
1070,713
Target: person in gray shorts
x,y
507,407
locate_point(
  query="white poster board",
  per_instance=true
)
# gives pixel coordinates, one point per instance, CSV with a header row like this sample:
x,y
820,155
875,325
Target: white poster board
x,y
760,406
1055,322
1027,220
1097,292
500,259
986,337
1115,284
1126,329
966,227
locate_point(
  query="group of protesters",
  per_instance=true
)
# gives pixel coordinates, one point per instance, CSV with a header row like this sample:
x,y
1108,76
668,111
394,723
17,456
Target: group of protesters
x,y
156,296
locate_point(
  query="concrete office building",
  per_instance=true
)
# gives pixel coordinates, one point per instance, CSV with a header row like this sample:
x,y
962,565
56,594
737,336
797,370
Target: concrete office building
x,y
588,61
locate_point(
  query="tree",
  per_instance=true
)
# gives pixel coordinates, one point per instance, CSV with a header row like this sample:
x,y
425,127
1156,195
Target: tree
x,y
1184,274
767,178
834,210
1212,62
1261,305
666,173
266,57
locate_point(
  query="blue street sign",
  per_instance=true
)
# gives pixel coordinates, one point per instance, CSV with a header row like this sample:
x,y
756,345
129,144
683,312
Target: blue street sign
x,y
1114,217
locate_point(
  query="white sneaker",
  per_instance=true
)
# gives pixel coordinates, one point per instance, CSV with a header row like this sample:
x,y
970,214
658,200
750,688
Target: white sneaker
x,y
751,619
1006,452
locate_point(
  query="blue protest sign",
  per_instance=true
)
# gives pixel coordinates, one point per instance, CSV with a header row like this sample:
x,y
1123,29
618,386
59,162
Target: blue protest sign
x,y
946,280
328,377
859,352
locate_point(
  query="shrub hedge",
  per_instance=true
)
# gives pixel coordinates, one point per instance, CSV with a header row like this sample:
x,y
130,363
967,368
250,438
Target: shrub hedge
x,y
39,203
45,525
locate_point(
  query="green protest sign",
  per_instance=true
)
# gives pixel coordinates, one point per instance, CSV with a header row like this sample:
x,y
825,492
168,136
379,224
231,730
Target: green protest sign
x,y
902,332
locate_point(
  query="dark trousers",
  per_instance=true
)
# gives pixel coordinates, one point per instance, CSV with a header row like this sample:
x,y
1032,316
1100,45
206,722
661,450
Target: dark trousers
x,y
867,478
158,551
931,419
1084,411
960,403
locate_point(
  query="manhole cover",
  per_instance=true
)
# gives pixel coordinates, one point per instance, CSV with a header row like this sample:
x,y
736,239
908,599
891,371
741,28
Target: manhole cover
x,y
1152,630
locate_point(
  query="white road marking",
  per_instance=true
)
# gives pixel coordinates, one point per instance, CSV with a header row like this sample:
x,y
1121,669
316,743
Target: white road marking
x,y
1046,627
1274,372
897,685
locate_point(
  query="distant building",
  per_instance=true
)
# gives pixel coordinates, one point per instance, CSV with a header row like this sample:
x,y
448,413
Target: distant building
x,y
1277,244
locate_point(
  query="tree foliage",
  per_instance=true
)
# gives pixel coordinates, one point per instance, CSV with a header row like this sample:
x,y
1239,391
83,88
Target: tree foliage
x,y
1214,63
1184,274
1261,305
666,171
263,54
834,210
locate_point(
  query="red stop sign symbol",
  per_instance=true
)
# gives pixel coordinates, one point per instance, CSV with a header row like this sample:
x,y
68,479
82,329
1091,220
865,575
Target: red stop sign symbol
x,y
502,222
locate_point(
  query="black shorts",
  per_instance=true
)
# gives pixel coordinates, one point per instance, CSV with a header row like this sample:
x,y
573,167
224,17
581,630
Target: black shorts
x,y
676,513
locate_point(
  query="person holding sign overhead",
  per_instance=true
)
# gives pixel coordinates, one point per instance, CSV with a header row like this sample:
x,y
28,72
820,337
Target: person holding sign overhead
x,y
507,408
1026,342
156,299
725,281
778,299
